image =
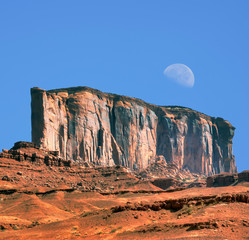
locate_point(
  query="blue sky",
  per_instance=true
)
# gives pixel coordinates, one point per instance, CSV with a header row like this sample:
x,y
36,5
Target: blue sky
x,y
123,47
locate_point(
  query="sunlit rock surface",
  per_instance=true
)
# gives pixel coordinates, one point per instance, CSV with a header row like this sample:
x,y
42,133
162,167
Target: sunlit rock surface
x,y
106,129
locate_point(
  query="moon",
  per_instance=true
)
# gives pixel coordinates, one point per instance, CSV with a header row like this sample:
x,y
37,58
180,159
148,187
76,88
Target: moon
x,y
180,74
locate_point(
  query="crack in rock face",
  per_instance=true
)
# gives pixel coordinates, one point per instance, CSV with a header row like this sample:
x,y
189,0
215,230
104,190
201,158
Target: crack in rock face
x,y
87,125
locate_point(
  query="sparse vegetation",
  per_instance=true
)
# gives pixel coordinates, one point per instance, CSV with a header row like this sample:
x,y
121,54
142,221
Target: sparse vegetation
x,y
34,223
115,229
74,228
15,227
187,210
88,214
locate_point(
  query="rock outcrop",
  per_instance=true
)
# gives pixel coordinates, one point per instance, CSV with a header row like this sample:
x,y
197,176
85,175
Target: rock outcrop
x,y
165,183
243,176
227,179
222,179
28,151
106,129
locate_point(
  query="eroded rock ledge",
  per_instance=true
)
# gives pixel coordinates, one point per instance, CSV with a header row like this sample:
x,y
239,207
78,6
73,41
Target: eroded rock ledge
x,y
107,129
177,204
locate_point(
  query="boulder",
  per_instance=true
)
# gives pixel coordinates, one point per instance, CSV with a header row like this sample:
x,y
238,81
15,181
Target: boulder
x,y
165,183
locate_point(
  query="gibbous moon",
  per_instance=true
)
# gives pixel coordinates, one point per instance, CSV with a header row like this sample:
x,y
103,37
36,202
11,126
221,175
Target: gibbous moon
x,y
180,74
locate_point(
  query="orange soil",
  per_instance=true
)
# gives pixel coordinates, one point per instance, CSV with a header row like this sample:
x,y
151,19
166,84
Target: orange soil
x,y
30,210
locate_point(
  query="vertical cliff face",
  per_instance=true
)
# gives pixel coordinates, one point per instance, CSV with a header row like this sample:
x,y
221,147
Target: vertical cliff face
x,y
106,129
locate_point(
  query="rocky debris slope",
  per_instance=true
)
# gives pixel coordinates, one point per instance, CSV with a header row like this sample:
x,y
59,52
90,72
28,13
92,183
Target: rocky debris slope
x,y
160,168
25,163
85,124
167,175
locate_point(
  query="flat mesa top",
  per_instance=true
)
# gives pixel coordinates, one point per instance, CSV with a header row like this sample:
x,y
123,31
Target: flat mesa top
x,y
178,110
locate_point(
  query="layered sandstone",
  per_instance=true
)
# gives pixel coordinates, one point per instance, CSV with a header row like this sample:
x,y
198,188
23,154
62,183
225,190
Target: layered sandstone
x,y
85,124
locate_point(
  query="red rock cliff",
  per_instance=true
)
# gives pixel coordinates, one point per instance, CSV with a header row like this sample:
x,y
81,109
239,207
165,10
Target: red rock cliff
x,y
106,129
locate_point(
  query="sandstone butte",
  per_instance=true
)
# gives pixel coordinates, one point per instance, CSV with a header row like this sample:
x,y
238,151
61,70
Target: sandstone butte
x,y
85,124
